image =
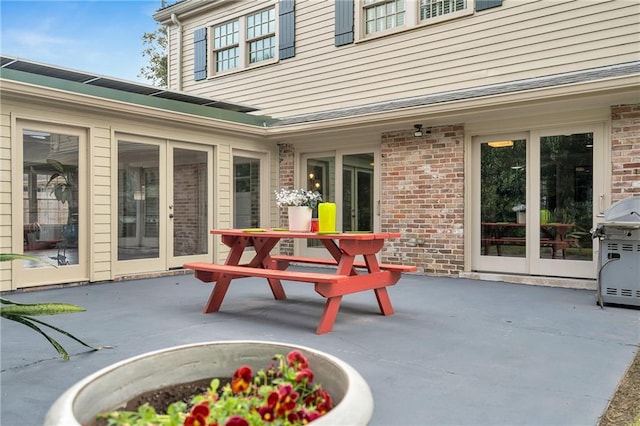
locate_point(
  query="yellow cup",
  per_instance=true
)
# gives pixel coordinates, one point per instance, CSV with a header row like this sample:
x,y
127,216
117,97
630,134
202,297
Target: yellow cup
x,y
327,217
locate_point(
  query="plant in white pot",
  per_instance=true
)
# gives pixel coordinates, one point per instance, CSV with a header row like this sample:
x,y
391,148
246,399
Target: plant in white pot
x,y
111,387
300,204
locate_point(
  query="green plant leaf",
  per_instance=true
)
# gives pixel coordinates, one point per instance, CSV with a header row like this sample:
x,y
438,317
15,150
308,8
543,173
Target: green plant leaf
x,y
54,343
5,257
38,309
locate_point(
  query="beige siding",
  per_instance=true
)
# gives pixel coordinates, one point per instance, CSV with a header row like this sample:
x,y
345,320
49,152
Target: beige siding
x,y
5,198
101,197
521,39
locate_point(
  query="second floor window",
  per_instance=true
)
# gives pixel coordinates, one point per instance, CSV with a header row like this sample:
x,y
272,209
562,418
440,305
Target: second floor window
x,y
225,46
261,35
244,41
383,15
433,8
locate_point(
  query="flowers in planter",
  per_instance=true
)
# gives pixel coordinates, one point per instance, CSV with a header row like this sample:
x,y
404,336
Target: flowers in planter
x,y
519,208
282,394
297,197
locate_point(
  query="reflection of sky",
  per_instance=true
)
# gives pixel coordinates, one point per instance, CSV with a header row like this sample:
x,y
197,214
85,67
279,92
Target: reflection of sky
x,y
102,37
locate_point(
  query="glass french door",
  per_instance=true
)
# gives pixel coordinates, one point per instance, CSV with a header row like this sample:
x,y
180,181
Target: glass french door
x,y
52,205
347,179
163,204
534,202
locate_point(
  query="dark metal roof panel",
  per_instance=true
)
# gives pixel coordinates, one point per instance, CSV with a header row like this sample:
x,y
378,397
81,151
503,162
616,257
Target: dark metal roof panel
x,y
76,76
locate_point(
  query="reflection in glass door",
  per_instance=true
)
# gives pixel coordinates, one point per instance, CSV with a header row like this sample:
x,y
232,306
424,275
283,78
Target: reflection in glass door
x,y
189,212
138,200
50,198
566,196
503,190
357,192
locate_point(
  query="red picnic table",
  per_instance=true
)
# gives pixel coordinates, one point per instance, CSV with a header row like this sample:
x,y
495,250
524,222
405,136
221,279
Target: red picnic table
x,y
350,276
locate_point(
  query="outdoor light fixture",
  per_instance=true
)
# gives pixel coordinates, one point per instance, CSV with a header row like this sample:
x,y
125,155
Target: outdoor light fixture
x,y
500,144
418,130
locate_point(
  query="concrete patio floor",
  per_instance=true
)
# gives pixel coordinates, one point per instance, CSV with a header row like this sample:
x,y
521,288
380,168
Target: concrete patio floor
x,y
456,351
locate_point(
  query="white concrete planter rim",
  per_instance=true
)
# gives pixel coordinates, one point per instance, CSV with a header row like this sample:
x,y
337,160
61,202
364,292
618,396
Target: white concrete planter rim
x,y
109,387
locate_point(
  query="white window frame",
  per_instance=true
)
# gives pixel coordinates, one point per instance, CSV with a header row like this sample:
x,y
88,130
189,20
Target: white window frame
x,y
411,19
243,41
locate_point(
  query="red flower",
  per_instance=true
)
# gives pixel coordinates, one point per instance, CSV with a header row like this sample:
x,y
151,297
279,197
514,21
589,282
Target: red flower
x,y
201,410
297,360
196,420
305,373
241,379
236,421
266,413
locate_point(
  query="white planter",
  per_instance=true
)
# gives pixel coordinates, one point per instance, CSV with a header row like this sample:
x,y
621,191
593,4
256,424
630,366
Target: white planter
x,y
299,218
112,386
521,217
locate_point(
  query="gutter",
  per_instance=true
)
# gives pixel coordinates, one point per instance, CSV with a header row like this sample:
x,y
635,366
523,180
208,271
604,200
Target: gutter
x,y
174,19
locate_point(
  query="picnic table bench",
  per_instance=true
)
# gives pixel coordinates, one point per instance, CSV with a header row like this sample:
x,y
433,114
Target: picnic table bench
x,y
347,278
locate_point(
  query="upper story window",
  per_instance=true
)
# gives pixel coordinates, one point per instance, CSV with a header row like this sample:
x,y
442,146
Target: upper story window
x,y
261,35
244,41
226,50
433,8
382,15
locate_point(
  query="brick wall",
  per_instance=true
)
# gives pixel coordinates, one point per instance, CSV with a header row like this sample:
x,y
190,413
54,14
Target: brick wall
x,y
423,198
285,180
625,151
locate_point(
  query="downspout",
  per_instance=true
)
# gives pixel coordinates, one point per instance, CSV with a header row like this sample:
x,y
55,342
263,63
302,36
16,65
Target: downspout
x,y
174,19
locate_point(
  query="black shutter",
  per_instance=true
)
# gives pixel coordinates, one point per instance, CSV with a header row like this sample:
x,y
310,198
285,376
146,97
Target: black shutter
x,y
287,29
344,22
487,4
200,54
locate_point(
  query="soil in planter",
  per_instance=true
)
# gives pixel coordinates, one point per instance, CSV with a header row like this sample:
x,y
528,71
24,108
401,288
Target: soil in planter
x,y
160,399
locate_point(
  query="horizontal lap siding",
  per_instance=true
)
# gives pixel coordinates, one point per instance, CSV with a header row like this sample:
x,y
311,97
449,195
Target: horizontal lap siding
x,y
5,199
515,41
101,195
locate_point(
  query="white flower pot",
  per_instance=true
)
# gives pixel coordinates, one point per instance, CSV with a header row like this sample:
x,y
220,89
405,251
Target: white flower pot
x,y
299,218
112,386
521,217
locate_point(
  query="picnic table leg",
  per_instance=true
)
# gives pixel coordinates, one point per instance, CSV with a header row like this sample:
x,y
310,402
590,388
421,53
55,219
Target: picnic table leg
x,y
383,301
329,314
217,294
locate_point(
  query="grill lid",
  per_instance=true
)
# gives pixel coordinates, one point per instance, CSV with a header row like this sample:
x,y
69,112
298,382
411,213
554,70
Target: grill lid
x,y
624,211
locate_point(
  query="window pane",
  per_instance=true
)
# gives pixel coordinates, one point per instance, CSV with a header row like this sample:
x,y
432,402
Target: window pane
x,y
138,201
190,208
384,15
246,190
433,8
50,198
503,198
566,196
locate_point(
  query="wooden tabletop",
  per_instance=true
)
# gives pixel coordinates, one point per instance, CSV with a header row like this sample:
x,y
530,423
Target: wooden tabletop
x,y
283,233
